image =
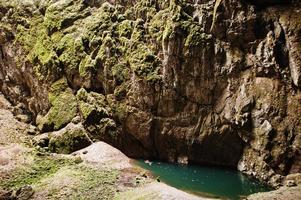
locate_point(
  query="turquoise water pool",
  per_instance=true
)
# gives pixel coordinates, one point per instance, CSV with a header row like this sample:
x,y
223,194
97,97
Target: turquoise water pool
x,y
204,181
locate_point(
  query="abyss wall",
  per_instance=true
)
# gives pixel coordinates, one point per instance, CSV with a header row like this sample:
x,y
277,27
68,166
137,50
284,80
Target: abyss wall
x,y
208,82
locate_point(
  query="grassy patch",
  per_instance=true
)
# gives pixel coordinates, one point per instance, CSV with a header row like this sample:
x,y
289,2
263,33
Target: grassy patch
x,y
54,177
79,182
41,167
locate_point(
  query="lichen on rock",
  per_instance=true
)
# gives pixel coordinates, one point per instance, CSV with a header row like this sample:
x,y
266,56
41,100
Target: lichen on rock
x,y
70,139
63,109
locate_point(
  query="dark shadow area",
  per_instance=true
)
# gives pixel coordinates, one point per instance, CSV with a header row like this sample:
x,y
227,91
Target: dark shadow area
x,y
266,3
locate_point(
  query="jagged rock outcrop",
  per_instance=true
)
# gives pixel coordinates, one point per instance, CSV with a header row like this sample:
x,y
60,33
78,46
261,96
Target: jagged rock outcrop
x,y
209,82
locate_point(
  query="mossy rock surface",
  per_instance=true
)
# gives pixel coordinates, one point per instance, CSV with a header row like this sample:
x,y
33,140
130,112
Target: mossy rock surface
x,y
64,107
71,138
92,106
80,37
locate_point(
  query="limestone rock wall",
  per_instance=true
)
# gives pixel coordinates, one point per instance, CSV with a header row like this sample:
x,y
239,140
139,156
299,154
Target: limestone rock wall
x,y
198,81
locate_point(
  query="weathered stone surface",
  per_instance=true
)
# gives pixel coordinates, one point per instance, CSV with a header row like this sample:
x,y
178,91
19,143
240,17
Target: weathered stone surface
x,y
284,193
11,130
24,193
67,140
104,155
63,107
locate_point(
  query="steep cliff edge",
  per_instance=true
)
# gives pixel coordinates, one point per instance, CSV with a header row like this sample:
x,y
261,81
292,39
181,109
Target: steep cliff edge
x,y
209,82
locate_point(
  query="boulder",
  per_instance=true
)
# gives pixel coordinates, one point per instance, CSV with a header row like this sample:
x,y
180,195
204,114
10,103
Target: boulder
x,y
67,140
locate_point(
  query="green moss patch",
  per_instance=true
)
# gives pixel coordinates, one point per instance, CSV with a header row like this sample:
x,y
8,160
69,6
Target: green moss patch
x,y
79,182
63,107
69,139
145,63
41,167
92,106
80,39
56,177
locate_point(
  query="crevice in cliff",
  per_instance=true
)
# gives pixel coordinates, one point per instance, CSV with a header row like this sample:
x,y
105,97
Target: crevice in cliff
x,y
281,53
1,54
154,131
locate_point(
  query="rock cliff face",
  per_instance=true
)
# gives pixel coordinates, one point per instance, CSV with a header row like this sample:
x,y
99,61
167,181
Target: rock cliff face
x,y
198,81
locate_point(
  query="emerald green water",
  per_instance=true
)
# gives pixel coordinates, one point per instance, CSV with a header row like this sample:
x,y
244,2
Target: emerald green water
x,y
206,181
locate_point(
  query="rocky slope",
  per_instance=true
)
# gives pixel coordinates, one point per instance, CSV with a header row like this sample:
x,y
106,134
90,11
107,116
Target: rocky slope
x,y
198,81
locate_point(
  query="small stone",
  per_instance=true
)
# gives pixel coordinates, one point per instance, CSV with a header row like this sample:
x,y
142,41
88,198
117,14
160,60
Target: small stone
x,y
24,193
41,140
46,148
23,118
76,120
266,126
183,160
291,183
78,160
32,130
18,109
296,178
144,175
